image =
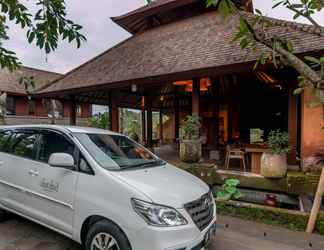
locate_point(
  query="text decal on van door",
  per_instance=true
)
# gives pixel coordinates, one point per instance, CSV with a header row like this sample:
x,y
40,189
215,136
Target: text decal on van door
x,y
49,185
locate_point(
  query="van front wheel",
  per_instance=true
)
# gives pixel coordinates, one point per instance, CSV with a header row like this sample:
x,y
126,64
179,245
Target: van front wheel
x,y
104,235
3,214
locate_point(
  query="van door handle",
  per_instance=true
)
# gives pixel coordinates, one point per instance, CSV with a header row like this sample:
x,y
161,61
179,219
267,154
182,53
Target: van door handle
x,y
33,173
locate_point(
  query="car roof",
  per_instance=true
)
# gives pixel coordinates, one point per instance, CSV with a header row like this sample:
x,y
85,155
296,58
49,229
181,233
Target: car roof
x,y
72,129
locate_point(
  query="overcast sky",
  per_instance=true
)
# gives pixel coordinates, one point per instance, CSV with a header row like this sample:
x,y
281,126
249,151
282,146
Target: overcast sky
x,y
101,32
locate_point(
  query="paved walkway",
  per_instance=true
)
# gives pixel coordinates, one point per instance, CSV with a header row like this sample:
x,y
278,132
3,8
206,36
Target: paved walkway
x,y
236,234
233,234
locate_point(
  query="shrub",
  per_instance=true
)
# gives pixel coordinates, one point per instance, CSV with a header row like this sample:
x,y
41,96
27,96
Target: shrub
x,y
278,142
191,127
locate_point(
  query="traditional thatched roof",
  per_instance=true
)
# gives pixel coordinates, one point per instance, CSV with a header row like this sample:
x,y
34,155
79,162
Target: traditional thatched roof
x,y
188,48
9,81
160,12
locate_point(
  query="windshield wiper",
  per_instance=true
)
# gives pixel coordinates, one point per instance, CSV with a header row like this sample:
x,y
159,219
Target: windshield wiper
x,y
144,165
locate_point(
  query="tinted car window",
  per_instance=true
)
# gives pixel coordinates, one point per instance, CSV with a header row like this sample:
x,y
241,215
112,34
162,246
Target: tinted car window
x,y
4,138
24,145
51,142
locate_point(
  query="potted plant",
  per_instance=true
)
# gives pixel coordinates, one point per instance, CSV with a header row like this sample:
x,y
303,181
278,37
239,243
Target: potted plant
x,y
274,162
190,144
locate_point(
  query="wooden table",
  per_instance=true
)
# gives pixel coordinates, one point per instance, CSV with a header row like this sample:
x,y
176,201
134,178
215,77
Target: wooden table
x,y
256,154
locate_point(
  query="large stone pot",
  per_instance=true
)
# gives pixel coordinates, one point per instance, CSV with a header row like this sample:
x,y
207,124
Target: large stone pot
x,y
190,151
273,165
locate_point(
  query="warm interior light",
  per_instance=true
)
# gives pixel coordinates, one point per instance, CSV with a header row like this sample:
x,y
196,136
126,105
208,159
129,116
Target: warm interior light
x,y
188,88
265,77
205,83
143,103
182,83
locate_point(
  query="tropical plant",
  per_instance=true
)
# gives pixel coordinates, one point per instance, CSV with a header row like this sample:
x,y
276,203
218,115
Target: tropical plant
x,y
28,83
255,31
278,142
229,190
99,121
45,23
190,127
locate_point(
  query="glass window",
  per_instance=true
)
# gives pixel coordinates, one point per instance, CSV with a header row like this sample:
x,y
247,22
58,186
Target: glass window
x,y
11,105
4,138
24,145
51,142
116,152
84,166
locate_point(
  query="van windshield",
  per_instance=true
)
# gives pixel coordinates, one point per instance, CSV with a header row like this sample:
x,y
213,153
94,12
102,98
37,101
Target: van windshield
x,y
116,152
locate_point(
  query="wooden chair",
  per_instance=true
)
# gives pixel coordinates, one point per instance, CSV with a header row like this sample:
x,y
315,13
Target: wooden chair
x,y
233,153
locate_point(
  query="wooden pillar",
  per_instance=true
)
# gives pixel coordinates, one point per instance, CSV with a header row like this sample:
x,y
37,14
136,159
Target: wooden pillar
x,y
176,114
292,126
216,111
72,111
195,96
149,122
113,111
161,125
143,126
226,81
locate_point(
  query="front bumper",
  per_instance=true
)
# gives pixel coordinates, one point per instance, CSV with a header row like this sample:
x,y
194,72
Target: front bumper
x,y
187,237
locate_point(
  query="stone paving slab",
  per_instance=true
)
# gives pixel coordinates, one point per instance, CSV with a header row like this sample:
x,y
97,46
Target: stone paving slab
x,y
232,234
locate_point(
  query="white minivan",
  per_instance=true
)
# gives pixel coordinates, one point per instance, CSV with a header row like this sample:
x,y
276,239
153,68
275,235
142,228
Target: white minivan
x,y
102,190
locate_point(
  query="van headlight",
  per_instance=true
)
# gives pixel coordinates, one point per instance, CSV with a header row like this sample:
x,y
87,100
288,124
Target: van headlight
x,y
158,215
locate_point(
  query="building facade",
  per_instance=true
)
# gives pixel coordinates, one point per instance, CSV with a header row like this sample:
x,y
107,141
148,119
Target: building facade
x,y
22,108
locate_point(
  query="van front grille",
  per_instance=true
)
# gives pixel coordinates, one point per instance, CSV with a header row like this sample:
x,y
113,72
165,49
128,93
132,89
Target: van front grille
x,y
201,210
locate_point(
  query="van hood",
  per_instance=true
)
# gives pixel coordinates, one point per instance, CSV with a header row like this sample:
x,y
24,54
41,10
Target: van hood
x,y
165,185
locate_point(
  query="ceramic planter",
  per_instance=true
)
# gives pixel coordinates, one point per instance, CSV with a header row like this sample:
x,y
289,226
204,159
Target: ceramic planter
x,y
273,165
190,151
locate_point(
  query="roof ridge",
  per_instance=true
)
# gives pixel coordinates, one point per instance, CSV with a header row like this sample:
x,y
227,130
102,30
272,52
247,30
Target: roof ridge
x,y
298,26
83,64
42,70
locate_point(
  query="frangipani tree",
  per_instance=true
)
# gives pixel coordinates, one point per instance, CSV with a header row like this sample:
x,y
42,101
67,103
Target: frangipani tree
x,y
44,27
252,32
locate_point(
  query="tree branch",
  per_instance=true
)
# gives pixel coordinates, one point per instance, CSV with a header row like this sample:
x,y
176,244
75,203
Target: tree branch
x,y
308,17
291,59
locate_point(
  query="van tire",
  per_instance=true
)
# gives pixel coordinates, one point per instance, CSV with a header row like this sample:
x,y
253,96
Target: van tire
x,y
109,228
3,215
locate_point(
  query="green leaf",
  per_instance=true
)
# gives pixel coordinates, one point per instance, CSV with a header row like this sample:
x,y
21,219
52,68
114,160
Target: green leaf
x,y
322,59
312,59
230,189
237,195
277,4
232,182
224,196
31,37
298,91
290,46
258,12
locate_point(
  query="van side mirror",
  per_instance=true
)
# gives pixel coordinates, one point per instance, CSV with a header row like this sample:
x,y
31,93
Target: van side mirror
x,y
61,160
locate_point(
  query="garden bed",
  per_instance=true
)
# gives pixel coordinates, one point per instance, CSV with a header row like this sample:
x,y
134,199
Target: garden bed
x,y
295,183
290,219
